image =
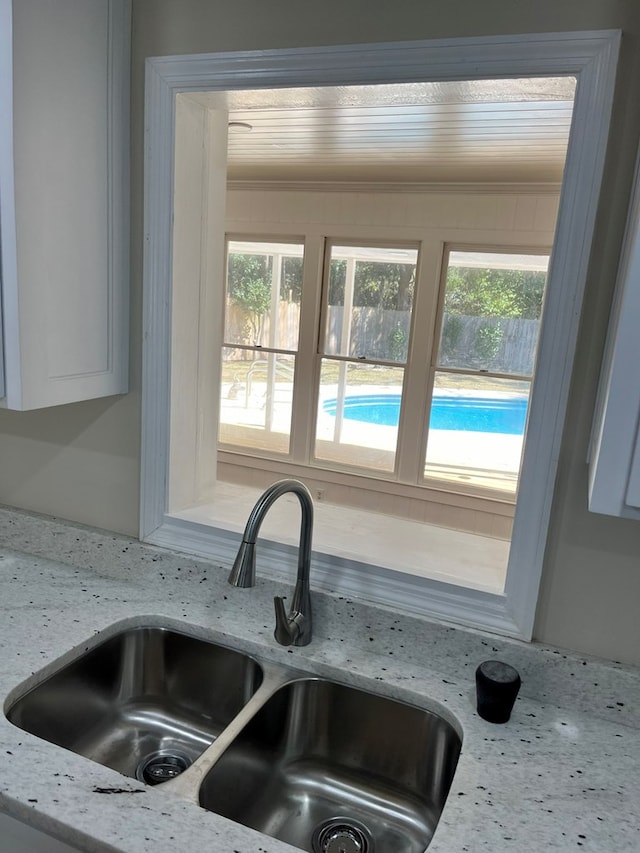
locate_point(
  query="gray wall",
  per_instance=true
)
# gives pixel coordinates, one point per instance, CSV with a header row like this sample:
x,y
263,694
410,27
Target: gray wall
x,y
81,461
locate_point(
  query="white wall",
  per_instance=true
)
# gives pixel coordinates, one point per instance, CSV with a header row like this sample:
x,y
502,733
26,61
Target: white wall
x,y
81,461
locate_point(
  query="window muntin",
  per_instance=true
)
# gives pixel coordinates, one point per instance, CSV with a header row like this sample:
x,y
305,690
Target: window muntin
x,y
483,367
261,331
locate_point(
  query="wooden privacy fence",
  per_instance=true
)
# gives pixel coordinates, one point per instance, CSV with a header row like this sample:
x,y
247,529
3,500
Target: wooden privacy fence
x,y
500,345
241,326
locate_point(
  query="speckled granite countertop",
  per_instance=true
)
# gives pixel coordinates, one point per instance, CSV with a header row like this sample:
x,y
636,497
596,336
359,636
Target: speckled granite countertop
x,y
563,774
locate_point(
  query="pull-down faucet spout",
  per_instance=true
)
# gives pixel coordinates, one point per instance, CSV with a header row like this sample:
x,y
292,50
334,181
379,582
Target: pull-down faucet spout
x,y
295,627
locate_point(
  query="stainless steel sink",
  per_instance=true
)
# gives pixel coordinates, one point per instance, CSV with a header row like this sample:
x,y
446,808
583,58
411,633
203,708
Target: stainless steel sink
x,y
145,702
325,767
333,769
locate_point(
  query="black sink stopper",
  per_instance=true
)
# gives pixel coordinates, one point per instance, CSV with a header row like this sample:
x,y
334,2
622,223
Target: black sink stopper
x,y
497,685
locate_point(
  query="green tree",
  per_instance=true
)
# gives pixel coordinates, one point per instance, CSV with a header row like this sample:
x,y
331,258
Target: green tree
x,y
397,344
388,286
451,335
488,340
249,287
291,283
337,280
494,292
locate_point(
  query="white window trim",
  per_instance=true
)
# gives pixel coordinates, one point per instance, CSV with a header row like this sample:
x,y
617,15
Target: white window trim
x,y
592,58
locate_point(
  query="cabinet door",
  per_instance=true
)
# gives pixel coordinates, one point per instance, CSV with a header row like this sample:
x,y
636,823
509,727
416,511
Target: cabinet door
x,y
614,463
2,391
18,837
63,199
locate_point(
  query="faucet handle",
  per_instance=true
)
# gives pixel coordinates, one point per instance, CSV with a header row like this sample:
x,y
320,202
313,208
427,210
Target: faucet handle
x,y
287,629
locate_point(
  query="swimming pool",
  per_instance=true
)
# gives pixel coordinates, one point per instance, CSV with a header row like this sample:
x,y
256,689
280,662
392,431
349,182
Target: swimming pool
x,y
506,415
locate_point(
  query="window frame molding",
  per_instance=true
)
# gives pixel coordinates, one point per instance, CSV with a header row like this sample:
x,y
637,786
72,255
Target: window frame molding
x,y
592,58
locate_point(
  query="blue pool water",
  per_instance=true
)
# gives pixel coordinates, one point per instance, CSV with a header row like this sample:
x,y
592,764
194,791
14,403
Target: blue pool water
x,y
504,415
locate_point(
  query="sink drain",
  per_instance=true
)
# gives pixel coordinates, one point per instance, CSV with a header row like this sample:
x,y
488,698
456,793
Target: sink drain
x,y
342,835
161,767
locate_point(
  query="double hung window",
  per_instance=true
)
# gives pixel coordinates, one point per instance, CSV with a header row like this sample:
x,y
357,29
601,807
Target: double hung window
x,y
386,387
362,355
482,367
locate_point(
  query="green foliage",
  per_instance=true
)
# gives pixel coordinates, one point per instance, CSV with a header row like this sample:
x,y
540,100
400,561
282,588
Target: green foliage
x,y
494,292
249,282
397,344
291,284
376,285
488,340
337,279
451,334
249,287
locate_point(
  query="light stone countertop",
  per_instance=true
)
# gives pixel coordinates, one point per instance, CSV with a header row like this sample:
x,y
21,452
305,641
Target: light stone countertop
x,y
563,774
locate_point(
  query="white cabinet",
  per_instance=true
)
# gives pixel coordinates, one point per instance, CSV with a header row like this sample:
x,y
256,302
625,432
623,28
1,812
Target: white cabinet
x,y
64,230
18,837
614,463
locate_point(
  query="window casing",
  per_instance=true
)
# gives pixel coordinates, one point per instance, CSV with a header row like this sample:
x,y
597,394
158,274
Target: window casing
x,y
592,58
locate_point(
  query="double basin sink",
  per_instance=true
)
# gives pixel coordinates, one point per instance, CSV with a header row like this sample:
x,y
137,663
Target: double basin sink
x,y
326,767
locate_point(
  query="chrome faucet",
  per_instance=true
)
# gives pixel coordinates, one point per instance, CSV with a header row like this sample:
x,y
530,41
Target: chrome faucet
x,y
294,628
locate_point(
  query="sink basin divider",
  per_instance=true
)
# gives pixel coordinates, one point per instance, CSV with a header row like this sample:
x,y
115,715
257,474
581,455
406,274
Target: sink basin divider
x,y
186,786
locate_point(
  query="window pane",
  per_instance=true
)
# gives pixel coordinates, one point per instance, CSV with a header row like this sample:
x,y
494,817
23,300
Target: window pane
x,y
370,297
255,402
264,289
476,430
358,413
492,309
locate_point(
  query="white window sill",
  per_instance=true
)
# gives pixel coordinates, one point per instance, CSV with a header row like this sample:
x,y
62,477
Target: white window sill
x,y
355,535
